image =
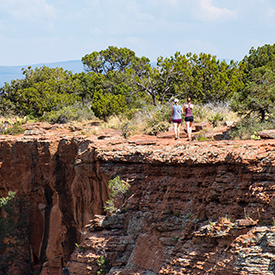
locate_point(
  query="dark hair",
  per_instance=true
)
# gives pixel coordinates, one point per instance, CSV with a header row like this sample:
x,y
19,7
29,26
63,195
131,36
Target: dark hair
x,y
188,99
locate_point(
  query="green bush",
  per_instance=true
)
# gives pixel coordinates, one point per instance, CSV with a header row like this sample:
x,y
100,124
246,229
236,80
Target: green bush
x,y
215,119
77,112
214,112
127,129
110,206
118,187
105,105
118,190
200,112
255,136
258,96
14,130
246,128
158,127
103,265
40,91
201,138
157,120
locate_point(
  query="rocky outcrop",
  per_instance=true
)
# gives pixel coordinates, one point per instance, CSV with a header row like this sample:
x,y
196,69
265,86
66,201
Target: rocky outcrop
x,y
268,134
175,221
61,180
194,207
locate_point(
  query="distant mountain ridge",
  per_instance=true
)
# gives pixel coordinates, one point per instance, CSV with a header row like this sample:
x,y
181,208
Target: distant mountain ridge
x,y
8,73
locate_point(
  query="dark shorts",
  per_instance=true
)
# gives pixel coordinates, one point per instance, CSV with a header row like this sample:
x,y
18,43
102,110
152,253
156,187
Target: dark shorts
x,y
176,120
189,118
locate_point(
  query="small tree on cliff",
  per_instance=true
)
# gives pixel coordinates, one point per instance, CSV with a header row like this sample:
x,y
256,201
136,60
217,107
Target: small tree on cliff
x,y
15,252
118,190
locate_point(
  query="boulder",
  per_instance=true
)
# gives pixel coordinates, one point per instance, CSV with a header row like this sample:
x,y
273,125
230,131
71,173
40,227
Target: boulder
x,y
267,134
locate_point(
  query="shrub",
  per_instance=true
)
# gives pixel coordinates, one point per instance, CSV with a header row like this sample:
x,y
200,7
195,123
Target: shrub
x,y
255,136
201,112
201,138
157,120
105,105
215,119
110,206
214,111
153,129
14,130
258,96
103,265
75,112
118,190
42,90
246,128
127,129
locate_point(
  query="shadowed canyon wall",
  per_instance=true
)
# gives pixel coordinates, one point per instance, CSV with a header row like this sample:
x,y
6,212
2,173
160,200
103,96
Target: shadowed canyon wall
x,y
194,208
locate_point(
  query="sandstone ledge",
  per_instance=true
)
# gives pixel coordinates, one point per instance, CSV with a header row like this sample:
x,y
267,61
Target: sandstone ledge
x,y
177,187
152,150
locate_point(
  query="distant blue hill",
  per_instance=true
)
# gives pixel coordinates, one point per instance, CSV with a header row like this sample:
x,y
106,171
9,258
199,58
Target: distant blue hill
x,y
8,73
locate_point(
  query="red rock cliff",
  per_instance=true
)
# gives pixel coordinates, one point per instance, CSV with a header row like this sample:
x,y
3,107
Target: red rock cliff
x,y
194,206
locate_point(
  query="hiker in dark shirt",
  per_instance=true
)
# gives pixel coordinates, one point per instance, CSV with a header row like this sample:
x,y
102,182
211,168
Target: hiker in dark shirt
x,y
189,118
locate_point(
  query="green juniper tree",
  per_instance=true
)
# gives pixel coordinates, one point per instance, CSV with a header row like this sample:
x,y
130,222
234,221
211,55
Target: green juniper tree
x,y
258,96
42,90
112,59
262,56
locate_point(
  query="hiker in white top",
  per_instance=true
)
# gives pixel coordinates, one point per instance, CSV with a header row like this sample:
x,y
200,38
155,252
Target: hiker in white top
x,y
176,117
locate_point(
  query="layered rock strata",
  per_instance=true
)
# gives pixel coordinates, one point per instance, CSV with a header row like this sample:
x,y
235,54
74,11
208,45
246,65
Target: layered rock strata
x,y
195,208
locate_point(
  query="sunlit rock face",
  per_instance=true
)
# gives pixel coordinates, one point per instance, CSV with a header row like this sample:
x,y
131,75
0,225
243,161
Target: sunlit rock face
x,y
193,208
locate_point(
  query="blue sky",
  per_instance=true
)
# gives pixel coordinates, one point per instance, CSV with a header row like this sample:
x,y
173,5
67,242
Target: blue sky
x,y
43,31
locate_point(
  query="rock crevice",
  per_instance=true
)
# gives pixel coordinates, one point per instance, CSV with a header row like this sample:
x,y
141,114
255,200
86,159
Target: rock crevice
x,y
183,215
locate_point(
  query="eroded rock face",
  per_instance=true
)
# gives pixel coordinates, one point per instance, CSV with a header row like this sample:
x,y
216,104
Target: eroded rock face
x,y
61,181
192,210
177,191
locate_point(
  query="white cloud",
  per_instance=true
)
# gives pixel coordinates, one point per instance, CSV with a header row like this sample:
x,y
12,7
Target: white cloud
x,y
209,12
270,18
124,18
149,27
27,10
26,18
174,3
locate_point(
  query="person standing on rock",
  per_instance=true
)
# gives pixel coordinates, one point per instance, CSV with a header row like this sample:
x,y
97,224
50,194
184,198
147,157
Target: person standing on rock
x,y
176,117
189,118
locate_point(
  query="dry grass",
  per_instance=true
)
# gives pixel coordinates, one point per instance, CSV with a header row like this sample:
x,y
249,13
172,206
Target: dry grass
x,y
209,111
113,122
150,117
153,117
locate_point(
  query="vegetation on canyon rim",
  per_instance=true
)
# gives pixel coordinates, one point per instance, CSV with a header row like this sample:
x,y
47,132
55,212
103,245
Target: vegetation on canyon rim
x,y
119,84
